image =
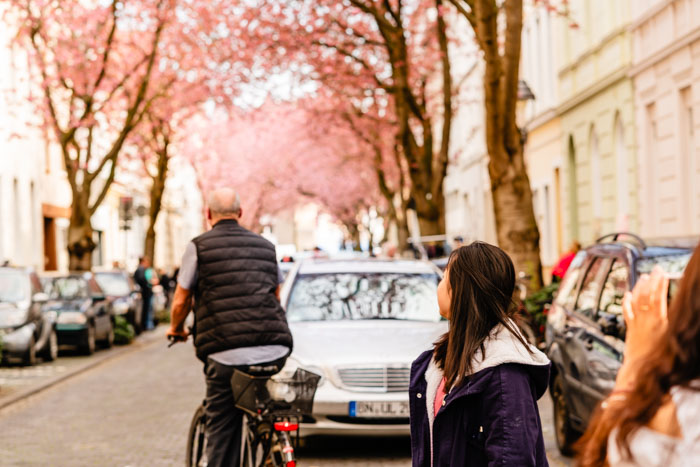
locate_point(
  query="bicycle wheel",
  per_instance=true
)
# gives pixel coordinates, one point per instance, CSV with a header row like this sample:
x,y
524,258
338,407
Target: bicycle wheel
x,y
253,448
197,440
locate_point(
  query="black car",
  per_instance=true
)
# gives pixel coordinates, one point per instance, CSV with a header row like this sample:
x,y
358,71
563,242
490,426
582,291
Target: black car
x,y
26,330
123,293
585,332
84,315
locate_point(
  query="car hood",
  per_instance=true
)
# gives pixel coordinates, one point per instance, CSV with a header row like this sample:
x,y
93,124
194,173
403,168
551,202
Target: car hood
x,y
350,343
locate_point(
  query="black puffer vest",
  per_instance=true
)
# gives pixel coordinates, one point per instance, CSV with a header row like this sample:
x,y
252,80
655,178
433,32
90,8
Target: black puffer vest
x,y
235,302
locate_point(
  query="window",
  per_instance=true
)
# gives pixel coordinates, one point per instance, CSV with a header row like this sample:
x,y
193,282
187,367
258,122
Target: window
x,y
614,289
358,296
566,296
590,290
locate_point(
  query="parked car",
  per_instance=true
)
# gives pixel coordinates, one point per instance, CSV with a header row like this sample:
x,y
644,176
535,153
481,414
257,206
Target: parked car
x,y
84,315
123,293
360,324
25,329
585,332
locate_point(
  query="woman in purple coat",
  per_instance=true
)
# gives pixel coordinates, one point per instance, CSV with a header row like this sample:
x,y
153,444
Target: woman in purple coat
x,y
473,397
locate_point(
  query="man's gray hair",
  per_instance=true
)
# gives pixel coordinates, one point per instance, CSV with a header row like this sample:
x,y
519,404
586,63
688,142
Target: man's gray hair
x,y
224,202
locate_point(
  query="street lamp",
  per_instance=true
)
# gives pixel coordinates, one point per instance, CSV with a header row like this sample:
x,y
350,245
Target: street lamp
x,y
524,94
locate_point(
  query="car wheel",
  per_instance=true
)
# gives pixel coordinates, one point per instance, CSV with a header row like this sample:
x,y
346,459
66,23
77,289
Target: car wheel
x,y
50,351
88,345
108,342
566,436
30,356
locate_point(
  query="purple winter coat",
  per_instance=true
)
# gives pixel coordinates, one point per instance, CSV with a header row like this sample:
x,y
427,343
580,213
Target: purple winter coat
x,y
490,419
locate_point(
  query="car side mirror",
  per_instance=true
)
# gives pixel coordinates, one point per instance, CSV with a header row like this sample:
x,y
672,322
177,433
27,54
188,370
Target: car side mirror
x,y
40,297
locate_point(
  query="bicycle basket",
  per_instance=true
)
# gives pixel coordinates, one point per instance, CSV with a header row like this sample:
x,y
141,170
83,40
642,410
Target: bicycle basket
x,y
296,394
298,391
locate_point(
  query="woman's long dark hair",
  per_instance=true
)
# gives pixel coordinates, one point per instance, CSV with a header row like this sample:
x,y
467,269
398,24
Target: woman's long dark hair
x,y
482,280
676,363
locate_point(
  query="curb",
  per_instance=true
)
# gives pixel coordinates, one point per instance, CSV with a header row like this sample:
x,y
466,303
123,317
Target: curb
x,y
134,346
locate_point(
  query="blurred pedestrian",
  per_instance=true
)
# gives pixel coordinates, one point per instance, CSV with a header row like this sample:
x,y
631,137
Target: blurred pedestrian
x,y
652,416
165,282
473,397
565,261
143,276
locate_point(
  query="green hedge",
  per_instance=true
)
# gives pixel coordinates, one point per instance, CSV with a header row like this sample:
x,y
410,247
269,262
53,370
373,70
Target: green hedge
x,y
123,331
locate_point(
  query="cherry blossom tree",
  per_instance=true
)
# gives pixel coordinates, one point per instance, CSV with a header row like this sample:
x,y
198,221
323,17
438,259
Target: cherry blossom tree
x,y
97,65
390,52
279,157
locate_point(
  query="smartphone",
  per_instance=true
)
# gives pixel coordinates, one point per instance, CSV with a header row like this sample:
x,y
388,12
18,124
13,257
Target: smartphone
x,y
673,283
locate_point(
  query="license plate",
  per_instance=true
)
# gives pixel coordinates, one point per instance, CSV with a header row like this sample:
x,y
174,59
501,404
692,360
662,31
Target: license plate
x,y
379,409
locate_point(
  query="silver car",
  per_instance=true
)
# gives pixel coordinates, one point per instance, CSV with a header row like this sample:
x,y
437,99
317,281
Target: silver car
x,y
360,324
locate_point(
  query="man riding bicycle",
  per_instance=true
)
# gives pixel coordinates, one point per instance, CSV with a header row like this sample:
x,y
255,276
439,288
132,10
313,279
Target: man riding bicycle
x,y
233,277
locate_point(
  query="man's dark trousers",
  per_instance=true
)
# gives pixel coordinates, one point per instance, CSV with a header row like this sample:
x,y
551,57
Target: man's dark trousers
x,y
223,418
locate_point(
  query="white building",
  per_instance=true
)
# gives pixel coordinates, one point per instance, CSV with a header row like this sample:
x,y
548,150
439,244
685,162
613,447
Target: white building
x,y
666,74
467,188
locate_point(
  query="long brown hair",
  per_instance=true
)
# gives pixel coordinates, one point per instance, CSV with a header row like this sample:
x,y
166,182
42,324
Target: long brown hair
x,y
676,363
482,280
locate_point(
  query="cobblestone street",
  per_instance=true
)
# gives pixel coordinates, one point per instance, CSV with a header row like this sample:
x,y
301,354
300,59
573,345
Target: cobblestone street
x,y
134,410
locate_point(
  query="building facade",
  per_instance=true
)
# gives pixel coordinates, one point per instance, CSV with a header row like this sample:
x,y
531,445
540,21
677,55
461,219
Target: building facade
x,y
666,74
542,130
467,188
596,108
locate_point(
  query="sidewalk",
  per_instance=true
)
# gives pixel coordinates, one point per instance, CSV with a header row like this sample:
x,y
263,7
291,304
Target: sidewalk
x,y
18,382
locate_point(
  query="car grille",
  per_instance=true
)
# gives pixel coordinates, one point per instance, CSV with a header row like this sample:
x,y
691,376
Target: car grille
x,y
376,379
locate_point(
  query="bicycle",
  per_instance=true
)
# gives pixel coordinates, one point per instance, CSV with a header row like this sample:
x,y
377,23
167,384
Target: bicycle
x,y
273,409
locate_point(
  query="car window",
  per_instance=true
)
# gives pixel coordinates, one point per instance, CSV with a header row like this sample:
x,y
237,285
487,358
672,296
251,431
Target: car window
x,y
357,296
614,289
113,283
674,264
590,289
14,286
69,288
566,296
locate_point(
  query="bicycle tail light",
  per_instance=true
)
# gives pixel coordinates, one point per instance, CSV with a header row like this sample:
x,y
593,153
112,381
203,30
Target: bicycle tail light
x,y
286,426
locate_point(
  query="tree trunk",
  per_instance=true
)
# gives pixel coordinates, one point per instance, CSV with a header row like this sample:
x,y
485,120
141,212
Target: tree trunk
x,y
157,190
80,241
430,212
516,227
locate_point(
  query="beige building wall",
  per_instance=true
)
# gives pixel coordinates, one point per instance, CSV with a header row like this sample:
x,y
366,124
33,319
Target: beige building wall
x,y
597,119
666,75
542,129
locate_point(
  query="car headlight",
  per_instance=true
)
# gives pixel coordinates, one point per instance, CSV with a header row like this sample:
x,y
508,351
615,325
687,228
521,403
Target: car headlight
x,y
121,308
72,317
14,318
291,366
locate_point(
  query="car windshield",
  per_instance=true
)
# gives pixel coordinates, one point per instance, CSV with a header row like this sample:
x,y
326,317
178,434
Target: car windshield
x,y
357,296
672,264
68,288
14,286
113,283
